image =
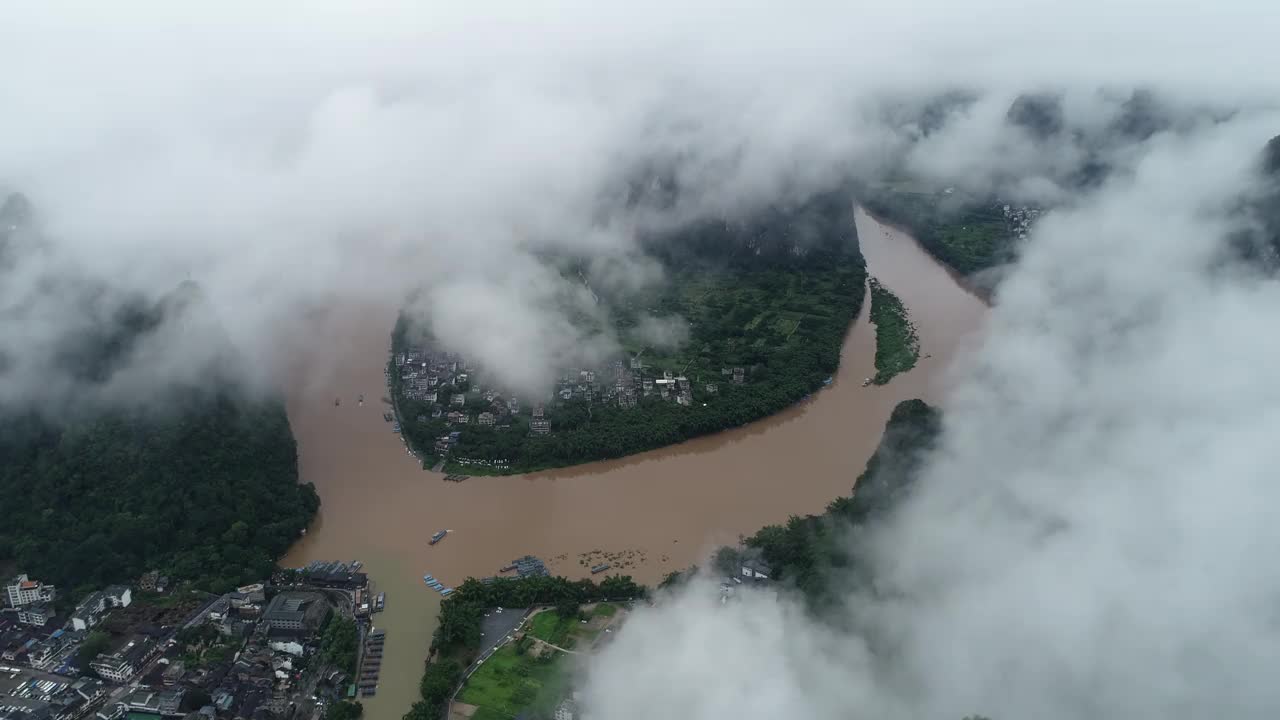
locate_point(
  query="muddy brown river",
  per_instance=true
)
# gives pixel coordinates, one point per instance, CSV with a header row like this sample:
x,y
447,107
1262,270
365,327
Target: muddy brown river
x,y
656,512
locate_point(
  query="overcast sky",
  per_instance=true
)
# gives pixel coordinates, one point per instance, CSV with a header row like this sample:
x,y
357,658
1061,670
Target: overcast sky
x,y
287,153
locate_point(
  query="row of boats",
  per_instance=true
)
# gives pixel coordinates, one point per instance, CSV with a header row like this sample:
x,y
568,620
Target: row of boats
x,y
371,663
431,582
438,586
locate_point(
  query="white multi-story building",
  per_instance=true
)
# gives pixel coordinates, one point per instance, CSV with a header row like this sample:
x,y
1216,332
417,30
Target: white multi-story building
x,y
22,590
38,614
89,611
124,663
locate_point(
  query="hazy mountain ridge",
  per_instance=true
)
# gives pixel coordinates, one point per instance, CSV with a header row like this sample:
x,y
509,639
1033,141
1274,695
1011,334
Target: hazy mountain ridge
x,y
105,485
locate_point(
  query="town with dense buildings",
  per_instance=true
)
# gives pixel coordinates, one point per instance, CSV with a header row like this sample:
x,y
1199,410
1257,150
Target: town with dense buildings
x,y
1020,219
452,397
456,395
281,649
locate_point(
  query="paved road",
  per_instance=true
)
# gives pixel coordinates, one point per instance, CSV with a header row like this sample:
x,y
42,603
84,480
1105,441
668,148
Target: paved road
x,y
497,628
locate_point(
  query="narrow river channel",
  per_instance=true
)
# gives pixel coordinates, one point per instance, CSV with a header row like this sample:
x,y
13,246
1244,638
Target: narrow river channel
x,y
666,508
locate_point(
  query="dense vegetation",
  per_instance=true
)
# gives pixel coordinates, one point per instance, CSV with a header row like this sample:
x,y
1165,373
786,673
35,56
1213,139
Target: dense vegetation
x,y
438,684
338,640
460,614
774,295
897,345
516,683
206,492
344,710
1258,243
967,235
809,551
96,643
457,636
203,646
196,480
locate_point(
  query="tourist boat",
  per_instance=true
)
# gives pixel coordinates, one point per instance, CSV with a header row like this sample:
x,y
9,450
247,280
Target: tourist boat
x,y
428,579
866,382
446,592
381,602
599,568
506,568
438,536
828,381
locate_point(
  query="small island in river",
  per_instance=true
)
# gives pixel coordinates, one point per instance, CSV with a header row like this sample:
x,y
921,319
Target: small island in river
x,y
762,307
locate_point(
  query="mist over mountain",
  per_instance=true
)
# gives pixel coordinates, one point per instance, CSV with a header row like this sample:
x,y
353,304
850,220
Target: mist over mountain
x,y
1084,538
111,465
448,150
1092,534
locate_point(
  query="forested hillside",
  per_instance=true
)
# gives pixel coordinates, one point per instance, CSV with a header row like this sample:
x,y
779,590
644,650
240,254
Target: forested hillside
x,y
208,493
1259,242
967,237
197,479
810,552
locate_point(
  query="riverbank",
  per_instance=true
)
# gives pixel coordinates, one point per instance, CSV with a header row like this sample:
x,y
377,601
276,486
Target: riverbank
x,y
668,507
982,292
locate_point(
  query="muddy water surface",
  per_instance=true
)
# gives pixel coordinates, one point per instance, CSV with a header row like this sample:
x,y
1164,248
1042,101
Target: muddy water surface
x,y
662,510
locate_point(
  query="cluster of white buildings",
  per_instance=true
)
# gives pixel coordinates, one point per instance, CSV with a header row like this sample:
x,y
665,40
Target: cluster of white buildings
x,y
97,604
1020,219
31,599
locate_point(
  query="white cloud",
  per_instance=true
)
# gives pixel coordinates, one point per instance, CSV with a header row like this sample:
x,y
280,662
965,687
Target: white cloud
x,y
292,153
1093,539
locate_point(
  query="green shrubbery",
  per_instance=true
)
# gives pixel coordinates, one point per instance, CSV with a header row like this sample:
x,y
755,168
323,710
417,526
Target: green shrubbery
x,y
897,345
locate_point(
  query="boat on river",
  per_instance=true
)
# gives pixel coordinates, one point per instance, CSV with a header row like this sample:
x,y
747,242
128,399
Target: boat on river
x,y
596,569
438,536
